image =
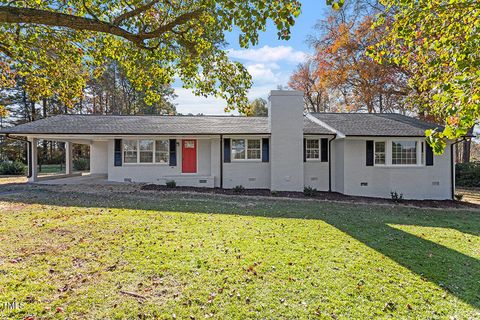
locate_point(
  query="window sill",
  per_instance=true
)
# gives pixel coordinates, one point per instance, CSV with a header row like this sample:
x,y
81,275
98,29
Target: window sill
x,y
400,166
245,160
146,164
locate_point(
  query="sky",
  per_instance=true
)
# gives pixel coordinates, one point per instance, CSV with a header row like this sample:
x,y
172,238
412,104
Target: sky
x,y
270,63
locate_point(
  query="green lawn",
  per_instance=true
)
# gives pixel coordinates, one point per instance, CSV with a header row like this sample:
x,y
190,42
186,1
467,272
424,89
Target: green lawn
x,y
82,256
52,168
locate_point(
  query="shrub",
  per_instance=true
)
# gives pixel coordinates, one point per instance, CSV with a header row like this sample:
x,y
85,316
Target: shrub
x,y
309,191
12,168
458,196
80,164
239,189
171,184
467,174
396,197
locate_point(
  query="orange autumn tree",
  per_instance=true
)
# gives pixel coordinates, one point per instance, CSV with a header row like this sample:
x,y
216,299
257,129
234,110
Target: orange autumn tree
x,y
341,77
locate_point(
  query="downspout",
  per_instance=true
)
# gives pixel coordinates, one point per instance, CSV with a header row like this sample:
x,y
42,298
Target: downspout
x,y
221,161
330,163
29,153
452,166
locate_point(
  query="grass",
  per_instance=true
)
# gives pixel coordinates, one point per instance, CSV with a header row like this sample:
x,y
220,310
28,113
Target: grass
x,y
82,256
52,168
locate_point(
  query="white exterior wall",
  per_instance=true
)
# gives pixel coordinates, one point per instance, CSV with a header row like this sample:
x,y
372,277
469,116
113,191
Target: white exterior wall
x,y
161,173
215,161
316,175
414,182
250,175
99,157
338,165
316,172
285,111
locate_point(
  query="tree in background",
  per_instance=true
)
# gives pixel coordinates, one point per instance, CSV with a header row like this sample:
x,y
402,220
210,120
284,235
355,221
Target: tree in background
x,y
340,76
438,43
113,93
256,108
54,45
310,78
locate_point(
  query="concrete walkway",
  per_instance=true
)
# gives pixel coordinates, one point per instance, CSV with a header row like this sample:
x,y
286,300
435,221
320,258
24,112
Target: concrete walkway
x,y
85,179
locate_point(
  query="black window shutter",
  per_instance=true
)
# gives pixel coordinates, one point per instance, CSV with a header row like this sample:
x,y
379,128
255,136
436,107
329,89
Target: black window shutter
x,y
173,152
369,153
304,150
428,155
226,150
324,149
265,150
117,158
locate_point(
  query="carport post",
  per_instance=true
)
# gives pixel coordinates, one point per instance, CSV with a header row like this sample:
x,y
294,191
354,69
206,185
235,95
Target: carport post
x,y
33,158
68,158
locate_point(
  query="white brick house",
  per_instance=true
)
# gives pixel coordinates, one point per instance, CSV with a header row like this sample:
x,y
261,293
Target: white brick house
x,y
354,154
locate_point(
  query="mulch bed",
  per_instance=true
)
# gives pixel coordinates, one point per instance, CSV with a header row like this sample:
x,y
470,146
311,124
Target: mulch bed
x,y
318,195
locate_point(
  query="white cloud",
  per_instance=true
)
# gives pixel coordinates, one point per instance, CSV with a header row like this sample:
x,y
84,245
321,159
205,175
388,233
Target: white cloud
x,y
187,102
268,66
262,72
269,54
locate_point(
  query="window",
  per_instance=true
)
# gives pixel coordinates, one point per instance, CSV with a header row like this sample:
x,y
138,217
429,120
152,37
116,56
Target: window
x,y
238,149
130,151
404,152
380,152
246,149
313,147
253,149
146,151
162,151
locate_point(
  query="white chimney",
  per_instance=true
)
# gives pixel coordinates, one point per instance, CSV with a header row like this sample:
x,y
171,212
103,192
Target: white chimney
x,y
285,120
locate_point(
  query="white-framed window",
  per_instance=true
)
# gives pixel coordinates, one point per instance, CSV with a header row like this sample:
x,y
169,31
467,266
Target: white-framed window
x,y
246,149
404,152
397,152
162,151
312,149
380,152
130,151
146,151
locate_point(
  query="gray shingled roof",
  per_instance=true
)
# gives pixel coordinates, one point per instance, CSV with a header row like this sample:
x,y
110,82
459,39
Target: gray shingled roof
x,y
375,124
93,124
310,127
350,124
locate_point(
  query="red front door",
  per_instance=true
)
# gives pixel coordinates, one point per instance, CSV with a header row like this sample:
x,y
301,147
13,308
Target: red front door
x,y
189,156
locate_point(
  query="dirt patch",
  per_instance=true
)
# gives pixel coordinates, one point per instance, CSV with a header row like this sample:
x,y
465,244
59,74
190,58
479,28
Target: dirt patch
x,y
318,195
11,206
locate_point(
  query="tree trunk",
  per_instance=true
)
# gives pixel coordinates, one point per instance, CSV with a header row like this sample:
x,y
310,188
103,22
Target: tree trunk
x,y
34,111
466,151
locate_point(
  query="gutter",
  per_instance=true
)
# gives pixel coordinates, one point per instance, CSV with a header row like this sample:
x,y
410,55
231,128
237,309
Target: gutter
x,y
221,161
29,153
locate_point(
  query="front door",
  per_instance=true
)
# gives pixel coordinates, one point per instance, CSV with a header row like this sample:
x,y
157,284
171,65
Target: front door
x,y
189,156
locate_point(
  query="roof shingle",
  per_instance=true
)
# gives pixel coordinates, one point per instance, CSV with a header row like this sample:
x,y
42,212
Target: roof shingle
x,y
375,124
350,124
